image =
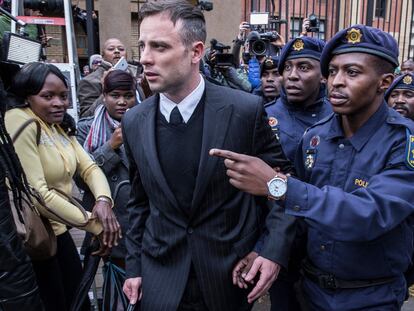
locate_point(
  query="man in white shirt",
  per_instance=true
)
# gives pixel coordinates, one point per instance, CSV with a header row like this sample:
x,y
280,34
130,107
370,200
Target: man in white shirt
x,y
187,225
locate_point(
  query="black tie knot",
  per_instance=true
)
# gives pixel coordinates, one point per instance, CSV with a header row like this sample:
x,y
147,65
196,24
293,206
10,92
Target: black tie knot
x,y
175,117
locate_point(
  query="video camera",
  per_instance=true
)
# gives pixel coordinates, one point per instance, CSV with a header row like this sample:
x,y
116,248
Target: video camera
x,y
18,48
260,40
222,58
313,23
261,43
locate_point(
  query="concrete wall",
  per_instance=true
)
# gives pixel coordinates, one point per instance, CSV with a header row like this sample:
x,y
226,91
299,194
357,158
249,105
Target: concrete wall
x,y
223,21
115,21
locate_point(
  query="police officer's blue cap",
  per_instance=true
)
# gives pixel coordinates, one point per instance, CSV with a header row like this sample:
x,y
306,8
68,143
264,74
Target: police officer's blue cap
x,y
360,39
303,47
405,81
270,62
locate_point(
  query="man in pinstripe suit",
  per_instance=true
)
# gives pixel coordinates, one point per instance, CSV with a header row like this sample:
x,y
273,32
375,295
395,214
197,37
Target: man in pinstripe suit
x,y
188,225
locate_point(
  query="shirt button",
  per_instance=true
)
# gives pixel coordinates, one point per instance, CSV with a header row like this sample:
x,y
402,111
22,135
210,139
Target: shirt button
x,y
190,230
323,247
391,119
296,208
313,115
341,146
100,161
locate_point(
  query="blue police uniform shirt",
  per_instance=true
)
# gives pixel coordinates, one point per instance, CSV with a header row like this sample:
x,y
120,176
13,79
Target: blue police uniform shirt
x,y
289,121
356,195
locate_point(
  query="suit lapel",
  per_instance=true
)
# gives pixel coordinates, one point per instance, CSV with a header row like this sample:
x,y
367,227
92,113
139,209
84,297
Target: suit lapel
x,y
148,127
216,120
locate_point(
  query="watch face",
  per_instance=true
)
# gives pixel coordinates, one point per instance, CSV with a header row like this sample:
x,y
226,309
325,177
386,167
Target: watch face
x,y
277,187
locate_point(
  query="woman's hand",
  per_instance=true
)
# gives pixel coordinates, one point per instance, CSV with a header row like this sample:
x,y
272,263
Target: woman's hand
x,y
111,228
103,250
116,140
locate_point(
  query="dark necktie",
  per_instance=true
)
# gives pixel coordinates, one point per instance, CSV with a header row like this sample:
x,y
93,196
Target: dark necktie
x,y
175,117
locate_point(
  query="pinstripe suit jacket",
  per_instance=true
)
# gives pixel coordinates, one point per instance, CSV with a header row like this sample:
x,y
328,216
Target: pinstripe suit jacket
x,y
223,224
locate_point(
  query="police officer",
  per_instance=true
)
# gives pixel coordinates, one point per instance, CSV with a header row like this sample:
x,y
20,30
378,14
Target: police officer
x,y
400,96
302,103
271,80
407,66
303,95
357,168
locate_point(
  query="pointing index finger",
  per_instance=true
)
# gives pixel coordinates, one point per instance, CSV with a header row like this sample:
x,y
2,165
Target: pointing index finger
x,y
226,154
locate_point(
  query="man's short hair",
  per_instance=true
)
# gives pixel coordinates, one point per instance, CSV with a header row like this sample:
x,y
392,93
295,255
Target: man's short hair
x,y
194,24
383,66
407,61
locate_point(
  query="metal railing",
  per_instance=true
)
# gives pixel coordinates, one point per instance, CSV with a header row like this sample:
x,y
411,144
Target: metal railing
x,y
392,16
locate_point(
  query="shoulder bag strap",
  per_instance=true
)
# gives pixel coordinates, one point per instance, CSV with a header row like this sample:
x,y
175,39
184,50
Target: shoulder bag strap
x,y
23,127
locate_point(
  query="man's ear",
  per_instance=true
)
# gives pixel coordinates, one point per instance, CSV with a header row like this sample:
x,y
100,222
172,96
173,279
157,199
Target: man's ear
x,y
197,51
385,82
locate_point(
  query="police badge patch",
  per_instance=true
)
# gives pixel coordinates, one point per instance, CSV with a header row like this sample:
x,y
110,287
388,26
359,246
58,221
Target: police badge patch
x,y
315,140
298,45
310,159
409,151
407,80
273,121
354,35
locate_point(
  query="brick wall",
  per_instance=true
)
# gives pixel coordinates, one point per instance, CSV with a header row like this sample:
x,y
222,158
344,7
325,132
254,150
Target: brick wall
x,y
55,50
134,37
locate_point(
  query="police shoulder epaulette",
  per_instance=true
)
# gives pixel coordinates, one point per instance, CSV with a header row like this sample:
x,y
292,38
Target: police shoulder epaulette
x,y
320,122
398,120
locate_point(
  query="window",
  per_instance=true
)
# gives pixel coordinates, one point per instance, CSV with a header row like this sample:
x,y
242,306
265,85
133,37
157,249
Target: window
x,y
380,8
296,28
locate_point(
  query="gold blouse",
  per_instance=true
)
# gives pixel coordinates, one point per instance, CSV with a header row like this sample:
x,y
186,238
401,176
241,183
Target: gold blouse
x,y
52,164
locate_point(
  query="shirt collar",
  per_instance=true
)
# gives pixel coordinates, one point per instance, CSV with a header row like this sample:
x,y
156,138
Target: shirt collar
x,y
365,132
186,106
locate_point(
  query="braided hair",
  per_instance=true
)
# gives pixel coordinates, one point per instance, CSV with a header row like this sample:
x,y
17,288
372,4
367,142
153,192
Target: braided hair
x,y
9,161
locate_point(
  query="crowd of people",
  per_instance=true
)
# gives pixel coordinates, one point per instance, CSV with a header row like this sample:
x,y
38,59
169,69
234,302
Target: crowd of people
x,y
212,180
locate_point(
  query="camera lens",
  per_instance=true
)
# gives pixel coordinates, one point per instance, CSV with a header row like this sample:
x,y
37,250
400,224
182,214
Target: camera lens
x,y
259,47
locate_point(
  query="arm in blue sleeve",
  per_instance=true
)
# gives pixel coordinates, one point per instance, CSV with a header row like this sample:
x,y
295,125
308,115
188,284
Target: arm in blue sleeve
x,y
361,215
259,244
281,227
277,243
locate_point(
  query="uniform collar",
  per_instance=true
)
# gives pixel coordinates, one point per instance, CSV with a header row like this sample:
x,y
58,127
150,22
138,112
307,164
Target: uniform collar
x,y
271,102
366,131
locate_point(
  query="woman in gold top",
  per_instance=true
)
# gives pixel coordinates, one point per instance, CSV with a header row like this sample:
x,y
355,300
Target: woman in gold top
x,y
40,91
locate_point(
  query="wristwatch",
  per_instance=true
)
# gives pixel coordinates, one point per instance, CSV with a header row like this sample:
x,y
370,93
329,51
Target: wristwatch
x,y
277,187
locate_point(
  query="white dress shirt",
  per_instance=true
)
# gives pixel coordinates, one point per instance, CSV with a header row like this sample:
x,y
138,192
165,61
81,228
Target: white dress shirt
x,y
186,106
